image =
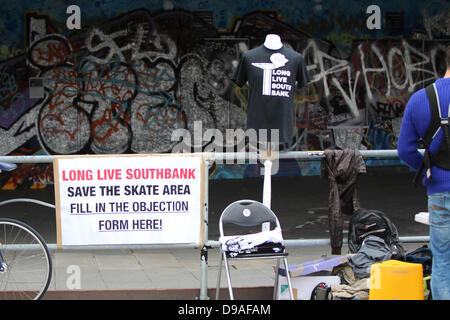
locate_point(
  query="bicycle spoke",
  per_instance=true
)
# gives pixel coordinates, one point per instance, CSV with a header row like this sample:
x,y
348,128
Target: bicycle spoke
x,y
27,261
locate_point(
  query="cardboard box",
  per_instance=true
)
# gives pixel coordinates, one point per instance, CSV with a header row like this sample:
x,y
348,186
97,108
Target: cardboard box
x,y
305,276
314,266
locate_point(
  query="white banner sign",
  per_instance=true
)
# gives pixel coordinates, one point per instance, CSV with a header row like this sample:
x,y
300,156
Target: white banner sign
x,y
129,199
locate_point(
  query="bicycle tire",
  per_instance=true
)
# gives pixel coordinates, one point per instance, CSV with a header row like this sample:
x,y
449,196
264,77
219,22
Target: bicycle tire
x,y
26,264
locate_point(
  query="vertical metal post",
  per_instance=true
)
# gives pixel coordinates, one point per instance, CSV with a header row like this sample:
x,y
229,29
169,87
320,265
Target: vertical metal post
x,y
204,251
267,187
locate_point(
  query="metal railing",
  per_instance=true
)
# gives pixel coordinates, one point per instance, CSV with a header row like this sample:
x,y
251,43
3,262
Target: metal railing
x,y
226,158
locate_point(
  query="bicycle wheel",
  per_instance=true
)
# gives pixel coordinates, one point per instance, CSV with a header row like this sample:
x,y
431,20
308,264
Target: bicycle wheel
x,y
26,265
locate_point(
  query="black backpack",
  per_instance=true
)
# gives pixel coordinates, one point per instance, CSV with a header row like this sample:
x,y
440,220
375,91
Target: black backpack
x,y
321,292
373,222
437,122
423,256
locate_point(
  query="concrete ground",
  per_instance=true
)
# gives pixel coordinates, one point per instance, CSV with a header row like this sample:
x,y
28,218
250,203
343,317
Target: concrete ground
x,y
174,273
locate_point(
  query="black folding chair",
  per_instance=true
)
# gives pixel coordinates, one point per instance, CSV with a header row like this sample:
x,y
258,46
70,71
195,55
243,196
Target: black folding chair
x,y
250,213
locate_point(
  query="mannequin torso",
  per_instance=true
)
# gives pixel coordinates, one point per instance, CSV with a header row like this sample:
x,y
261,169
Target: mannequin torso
x,y
273,72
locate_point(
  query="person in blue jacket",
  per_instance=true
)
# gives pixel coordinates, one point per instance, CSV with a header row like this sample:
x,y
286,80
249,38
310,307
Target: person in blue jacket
x,y
415,124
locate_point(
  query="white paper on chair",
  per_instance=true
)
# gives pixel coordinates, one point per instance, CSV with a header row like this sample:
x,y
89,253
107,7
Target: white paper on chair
x,y
249,241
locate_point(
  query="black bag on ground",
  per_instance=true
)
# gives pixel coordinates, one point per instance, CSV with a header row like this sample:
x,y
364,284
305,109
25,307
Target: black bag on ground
x,y
423,256
373,222
321,292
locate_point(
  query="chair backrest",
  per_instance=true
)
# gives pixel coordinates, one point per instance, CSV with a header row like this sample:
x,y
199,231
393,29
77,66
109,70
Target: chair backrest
x,y
247,213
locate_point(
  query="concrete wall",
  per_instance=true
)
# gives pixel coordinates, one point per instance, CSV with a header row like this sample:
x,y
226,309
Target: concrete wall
x,y
135,71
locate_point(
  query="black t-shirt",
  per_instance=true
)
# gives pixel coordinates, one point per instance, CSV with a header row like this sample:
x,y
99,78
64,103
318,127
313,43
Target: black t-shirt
x,y
272,76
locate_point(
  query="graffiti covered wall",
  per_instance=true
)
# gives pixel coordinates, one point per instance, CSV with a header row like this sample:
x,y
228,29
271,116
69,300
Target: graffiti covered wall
x,y
134,73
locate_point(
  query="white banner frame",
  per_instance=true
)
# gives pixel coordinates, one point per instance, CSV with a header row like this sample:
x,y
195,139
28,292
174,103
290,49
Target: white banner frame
x,y
99,197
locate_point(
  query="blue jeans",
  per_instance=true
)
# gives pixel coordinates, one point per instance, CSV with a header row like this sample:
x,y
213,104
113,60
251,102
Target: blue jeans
x,y
439,209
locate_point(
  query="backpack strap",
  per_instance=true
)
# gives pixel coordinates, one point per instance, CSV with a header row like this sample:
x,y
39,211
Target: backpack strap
x,y
435,121
435,124
439,122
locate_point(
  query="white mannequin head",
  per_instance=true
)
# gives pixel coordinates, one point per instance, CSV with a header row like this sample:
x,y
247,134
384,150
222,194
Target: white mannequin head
x,y
273,42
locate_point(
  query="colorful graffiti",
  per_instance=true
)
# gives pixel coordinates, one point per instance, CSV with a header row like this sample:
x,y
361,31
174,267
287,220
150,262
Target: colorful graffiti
x,y
125,83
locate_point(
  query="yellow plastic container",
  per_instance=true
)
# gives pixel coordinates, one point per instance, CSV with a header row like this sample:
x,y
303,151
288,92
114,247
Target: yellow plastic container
x,y
396,280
